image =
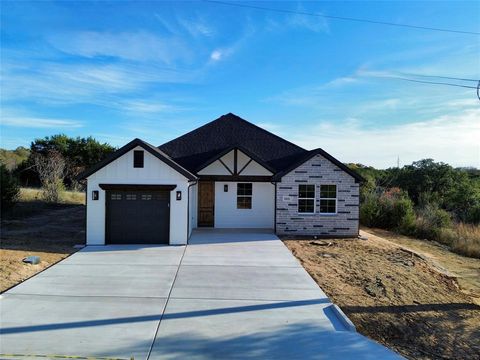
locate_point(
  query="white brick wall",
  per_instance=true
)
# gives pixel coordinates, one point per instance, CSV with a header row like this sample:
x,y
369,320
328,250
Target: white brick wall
x,y
318,171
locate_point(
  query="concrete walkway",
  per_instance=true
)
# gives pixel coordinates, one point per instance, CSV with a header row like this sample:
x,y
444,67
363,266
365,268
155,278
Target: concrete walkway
x,y
228,294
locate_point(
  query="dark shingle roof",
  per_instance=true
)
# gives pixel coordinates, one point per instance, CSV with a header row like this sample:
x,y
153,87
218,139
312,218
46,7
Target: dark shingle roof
x,y
195,148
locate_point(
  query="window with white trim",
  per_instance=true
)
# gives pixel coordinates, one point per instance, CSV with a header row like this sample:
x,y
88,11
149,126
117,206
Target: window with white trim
x,y
244,196
328,199
306,199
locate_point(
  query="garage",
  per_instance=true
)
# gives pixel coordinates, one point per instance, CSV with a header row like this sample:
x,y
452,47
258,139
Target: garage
x,y
137,216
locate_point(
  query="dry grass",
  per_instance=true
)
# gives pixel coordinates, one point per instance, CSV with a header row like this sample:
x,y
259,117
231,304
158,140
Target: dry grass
x,y
67,197
465,239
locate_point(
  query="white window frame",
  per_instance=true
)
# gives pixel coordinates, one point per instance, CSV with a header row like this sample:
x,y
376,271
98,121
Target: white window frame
x,y
299,198
335,198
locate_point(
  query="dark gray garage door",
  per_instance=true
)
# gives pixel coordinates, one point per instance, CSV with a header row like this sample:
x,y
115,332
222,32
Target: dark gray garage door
x,y
137,217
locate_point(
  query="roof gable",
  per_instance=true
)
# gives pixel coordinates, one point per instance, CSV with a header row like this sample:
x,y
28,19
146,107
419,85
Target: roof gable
x,y
131,145
194,149
235,161
308,155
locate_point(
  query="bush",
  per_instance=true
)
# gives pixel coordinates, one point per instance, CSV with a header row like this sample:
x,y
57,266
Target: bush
x,y
390,209
431,221
51,170
9,188
369,209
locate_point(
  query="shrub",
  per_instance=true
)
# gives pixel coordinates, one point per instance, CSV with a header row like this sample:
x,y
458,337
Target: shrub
x,y
369,209
51,170
390,209
431,221
9,188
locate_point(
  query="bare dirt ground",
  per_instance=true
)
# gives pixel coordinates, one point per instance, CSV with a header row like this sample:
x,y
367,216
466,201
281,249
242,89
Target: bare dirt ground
x,y
50,233
396,297
466,270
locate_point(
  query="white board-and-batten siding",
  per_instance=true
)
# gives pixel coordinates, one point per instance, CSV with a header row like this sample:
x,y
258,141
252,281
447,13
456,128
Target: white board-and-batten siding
x,y
121,171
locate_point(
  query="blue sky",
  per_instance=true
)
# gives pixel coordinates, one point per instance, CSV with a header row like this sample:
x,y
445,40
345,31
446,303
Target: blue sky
x,y
155,70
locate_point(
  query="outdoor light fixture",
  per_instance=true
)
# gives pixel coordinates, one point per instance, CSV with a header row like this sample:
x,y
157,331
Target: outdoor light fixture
x,y
225,188
95,195
179,195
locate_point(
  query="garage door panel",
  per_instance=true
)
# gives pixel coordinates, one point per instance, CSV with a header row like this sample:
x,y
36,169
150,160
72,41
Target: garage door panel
x,y
138,217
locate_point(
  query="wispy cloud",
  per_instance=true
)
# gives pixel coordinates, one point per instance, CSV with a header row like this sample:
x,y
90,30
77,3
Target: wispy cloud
x,y
149,107
137,46
16,120
50,82
449,138
197,26
311,23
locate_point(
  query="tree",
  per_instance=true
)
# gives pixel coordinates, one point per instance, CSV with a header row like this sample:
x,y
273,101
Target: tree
x,y
8,187
51,170
79,153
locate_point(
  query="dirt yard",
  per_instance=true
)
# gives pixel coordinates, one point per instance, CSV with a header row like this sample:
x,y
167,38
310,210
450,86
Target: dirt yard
x,y
50,233
421,305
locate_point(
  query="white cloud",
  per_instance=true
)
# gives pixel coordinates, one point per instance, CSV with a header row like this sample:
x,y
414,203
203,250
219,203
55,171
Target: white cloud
x,y
134,46
452,138
196,27
216,55
38,122
141,106
49,82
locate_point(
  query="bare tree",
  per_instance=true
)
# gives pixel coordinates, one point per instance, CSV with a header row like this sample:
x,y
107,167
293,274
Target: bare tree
x,y
51,168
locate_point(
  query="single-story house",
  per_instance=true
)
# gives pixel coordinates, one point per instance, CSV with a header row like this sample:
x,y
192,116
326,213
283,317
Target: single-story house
x,y
228,173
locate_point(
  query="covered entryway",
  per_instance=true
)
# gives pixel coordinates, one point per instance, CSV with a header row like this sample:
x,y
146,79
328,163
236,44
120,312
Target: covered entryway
x,y
137,215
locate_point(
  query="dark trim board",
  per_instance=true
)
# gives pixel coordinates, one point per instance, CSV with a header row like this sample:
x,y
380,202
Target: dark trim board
x,y
239,178
235,149
135,187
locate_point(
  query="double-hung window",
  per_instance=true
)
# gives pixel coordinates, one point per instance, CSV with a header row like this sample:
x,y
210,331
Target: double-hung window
x,y
244,196
328,199
306,199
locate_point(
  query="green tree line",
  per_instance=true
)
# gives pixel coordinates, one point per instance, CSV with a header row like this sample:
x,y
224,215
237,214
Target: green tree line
x,y
21,167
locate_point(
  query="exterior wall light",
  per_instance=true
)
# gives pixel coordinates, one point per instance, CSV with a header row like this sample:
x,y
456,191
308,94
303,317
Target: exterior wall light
x,y
179,195
225,188
95,195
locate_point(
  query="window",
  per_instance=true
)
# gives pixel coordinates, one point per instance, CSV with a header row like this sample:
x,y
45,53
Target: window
x,y
146,197
131,197
328,199
306,199
244,196
138,159
116,196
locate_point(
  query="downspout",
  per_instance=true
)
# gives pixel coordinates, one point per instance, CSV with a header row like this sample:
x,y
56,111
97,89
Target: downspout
x,y
188,208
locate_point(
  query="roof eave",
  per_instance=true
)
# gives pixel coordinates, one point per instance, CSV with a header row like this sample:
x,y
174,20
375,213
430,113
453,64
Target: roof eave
x,y
131,145
358,178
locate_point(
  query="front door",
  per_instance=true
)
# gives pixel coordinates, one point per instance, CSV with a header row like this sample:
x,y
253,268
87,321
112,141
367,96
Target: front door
x,y
206,203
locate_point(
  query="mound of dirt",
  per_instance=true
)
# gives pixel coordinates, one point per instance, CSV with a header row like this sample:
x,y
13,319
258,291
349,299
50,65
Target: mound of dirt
x,y
395,297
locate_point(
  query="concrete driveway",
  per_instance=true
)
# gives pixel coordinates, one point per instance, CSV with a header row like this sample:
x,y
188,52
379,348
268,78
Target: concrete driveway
x,y
229,294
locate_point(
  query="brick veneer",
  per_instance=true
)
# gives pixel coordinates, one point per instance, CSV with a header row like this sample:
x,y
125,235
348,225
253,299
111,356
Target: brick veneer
x,y
317,171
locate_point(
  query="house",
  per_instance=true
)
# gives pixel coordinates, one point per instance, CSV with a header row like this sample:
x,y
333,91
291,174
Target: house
x,y
228,173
